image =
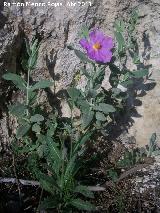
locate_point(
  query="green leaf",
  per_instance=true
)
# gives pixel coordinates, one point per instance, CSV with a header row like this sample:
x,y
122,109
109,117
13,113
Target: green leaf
x,y
105,108
84,32
113,174
16,79
42,85
34,46
92,93
133,21
48,203
84,191
83,140
121,42
27,47
69,173
74,94
85,72
87,118
32,96
82,56
120,26
22,130
83,205
25,64
53,150
140,73
126,83
32,61
152,144
29,149
153,139
46,186
34,55
84,106
51,129
136,59
41,150
17,109
37,118
99,76
36,128
116,92
48,183
100,116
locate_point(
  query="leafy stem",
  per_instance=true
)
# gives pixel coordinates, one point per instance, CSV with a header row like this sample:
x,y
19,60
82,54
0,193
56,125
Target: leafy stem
x,y
72,127
27,88
63,160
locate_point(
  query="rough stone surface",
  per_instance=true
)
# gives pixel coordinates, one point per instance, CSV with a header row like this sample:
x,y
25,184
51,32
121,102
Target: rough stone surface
x,y
58,26
149,31
147,182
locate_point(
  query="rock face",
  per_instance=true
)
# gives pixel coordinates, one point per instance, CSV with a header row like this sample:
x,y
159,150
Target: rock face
x,y
59,25
149,30
147,183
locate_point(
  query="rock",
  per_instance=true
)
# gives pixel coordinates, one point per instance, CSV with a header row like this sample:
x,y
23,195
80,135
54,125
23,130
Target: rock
x,y
149,122
148,180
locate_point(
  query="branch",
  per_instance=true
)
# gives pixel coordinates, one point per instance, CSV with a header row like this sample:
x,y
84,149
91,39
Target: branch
x,y
96,188
36,183
23,182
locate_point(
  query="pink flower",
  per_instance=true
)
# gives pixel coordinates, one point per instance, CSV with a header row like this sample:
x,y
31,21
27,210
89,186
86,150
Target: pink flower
x,y
98,46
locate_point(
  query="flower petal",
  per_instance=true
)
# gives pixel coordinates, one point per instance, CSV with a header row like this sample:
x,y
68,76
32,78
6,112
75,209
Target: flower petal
x,y
92,54
106,55
84,43
98,46
107,42
95,55
96,36
98,57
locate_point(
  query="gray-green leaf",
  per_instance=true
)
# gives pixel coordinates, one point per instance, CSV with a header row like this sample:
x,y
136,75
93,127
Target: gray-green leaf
x,y
37,118
16,79
100,116
87,118
22,130
36,128
82,56
83,205
48,183
17,109
121,42
48,203
53,150
140,73
41,150
84,106
83,140
42,85
105,108
84,191
74,93
27,47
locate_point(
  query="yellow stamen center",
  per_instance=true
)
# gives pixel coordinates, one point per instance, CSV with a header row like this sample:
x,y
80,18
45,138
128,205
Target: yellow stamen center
x,y
97,46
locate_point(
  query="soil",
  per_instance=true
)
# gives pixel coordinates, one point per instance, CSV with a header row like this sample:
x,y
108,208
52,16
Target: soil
x,y
118,197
